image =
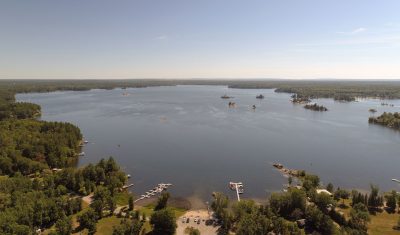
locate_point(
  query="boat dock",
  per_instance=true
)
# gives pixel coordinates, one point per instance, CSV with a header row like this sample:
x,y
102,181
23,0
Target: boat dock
x,y
238,187
156,190
127,186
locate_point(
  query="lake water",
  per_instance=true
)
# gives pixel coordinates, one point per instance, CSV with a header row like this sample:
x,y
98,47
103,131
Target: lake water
x,y
188,136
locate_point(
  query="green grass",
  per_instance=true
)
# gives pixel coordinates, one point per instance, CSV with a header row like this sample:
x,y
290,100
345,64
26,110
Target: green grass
x,y
381,223
122,198
105,225
149,210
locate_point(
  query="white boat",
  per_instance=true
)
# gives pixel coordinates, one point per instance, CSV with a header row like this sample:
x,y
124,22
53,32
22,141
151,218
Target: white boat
x,y
82,154
240,189
233,185
128,176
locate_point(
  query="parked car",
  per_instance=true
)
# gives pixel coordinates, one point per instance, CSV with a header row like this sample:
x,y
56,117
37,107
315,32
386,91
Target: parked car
x,y
209,222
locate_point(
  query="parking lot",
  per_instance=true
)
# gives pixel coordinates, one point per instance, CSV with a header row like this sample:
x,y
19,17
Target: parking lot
x,y
197,219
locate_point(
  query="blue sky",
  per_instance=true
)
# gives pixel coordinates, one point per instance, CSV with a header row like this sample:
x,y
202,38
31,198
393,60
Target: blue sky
x,y
357,39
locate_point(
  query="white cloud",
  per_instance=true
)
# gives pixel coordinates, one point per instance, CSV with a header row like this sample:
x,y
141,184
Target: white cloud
x,y
388,40
355,31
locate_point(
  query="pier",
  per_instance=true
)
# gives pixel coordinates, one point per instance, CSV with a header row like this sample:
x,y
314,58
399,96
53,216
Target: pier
x,y
127,186
238,187
156,190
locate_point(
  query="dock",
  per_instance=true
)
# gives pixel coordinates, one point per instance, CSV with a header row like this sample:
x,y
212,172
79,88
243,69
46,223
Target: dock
x,y
238,187
153,192
127,186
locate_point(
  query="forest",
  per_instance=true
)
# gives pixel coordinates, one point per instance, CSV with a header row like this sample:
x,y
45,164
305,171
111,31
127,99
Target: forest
x,y
302,210
39,187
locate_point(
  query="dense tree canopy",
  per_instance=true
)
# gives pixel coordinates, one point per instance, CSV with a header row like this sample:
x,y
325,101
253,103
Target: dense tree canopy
x,y
29,146
391,120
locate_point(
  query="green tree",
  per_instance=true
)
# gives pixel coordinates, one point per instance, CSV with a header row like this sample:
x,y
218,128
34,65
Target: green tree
x,y
130,203
359,218
391,201
163,222
341,194
324,201
97,206
329,187
192,231
374,200
128,227
88,220
284,204
64,226
219,204
162,201
319,221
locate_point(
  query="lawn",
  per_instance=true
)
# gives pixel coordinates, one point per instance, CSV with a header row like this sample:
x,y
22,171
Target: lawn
x,y
381,223
122,198
105,225
149,209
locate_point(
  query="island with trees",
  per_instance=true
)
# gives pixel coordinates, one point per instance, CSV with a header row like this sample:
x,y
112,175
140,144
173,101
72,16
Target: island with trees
x,y
300,100
316,107
391,120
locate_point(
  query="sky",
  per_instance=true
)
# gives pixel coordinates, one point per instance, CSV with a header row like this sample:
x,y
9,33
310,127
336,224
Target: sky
x,y
292,39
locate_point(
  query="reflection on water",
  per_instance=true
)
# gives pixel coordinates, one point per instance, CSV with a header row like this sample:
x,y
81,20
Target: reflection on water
x,y
188,136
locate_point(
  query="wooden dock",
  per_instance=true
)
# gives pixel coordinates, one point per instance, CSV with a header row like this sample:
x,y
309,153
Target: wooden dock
x,y
238,187
153,192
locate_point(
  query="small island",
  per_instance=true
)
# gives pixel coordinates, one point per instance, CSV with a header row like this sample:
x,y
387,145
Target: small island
x,y
391,120
372,110
315,107
300,99
226,97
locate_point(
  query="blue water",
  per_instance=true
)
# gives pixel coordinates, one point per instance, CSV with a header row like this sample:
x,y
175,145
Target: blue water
x,y
187,135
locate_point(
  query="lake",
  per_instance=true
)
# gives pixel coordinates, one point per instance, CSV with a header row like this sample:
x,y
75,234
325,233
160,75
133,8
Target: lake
x,y
188,136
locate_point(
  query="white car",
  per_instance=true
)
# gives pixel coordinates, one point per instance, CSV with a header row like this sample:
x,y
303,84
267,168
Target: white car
x,y
183,219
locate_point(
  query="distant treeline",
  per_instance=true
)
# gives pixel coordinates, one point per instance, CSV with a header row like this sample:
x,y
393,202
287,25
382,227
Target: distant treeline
x,y
391,120
338,90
